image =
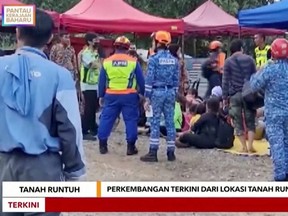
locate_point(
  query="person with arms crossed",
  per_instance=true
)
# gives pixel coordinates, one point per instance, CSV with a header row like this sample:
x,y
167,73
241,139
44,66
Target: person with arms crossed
x,y
89,73
41,137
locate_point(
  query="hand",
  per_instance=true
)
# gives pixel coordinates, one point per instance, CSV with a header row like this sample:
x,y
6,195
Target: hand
x,y
101,102
225,103
82,98
147,105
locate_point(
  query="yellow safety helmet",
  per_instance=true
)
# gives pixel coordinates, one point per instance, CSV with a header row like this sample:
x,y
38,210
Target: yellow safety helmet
x,y
163,37
123,42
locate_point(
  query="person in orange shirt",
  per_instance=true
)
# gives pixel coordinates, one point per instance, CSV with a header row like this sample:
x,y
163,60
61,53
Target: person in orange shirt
x,y
212,68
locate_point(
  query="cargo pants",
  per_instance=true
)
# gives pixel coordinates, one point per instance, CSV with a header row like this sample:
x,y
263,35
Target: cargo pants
x,y
163,101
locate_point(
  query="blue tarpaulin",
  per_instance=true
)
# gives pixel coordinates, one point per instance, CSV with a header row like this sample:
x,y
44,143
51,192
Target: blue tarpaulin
x,y
269,16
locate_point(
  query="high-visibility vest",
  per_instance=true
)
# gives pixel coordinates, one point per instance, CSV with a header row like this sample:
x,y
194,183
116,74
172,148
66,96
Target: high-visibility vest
x,y
261,56
120,69
89,75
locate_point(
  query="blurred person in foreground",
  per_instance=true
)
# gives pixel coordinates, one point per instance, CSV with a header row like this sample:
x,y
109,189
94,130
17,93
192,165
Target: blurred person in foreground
x,y
273,79
40,126
119,79
238,69
161,88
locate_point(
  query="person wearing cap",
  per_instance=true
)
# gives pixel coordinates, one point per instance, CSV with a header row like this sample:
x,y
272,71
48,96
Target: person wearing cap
x,y
212,68
120,78
90,68
273,79
161,87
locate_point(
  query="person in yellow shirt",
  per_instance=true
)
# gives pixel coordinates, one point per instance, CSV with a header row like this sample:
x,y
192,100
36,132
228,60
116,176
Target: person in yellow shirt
x,y
262,52
200,109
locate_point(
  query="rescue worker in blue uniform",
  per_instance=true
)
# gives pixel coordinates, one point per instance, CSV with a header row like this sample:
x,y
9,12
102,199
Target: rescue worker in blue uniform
x,y
161,87
273,79
120,80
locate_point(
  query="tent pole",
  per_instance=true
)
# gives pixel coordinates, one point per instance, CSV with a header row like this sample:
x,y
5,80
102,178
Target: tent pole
x,y
239,33
135,39
183,45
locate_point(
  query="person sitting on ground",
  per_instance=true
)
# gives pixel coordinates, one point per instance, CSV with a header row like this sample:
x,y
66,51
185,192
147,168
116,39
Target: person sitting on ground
x,y
187,115
204,132
199,111
178,121
193,97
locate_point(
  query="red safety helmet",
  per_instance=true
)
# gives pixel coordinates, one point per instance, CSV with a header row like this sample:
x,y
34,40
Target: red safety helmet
x,y
215,45
279,48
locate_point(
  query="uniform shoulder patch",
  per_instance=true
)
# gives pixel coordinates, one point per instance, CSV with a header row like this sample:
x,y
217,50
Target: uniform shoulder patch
x,y
167,61
119,63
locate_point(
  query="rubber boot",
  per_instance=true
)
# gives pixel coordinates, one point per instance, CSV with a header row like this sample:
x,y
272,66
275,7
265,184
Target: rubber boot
x,y
150,157
131,148
171,156
103,147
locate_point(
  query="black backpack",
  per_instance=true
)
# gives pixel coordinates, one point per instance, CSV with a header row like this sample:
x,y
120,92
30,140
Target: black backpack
x,y
225,135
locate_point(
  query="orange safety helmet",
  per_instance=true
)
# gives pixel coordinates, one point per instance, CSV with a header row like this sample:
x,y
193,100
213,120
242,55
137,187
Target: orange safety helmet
x,y
163,37
123,42
279,48
215,45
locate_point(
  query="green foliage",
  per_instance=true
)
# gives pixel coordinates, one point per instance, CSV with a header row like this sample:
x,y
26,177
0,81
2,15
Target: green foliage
x,y
58,6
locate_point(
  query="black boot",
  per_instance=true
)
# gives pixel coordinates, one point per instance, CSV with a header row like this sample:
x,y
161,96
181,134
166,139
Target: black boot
x,y
150,157
171,156
131,148
103,148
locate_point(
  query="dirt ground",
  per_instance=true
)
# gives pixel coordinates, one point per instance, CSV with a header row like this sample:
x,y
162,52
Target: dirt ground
x,y
191,165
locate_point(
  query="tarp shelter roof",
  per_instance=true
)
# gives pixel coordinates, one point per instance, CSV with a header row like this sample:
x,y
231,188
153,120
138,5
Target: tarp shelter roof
x,y
209,19
269,16
55,16
115,16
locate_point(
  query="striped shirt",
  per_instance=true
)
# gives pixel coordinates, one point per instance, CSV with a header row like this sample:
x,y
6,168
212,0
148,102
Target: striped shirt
x,y
237,69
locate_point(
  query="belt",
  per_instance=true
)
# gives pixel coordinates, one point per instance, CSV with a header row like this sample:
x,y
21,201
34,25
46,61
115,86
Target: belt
x,y
163,87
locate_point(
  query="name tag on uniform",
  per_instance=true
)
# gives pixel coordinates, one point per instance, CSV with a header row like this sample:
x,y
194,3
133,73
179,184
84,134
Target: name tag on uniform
x,y
167,61
119,63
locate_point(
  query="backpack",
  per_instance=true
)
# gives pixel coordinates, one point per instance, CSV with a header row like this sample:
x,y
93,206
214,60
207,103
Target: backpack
x,y
225,135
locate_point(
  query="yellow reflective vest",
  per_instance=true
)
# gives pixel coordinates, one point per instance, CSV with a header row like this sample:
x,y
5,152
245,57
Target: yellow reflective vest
x,y
261,56
120,73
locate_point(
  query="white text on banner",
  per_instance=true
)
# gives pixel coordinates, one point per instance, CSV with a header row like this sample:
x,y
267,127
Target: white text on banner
x,y
194,189
23,205
49,189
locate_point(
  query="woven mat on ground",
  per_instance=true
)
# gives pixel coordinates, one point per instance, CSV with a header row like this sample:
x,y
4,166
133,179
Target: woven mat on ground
x,y
261,147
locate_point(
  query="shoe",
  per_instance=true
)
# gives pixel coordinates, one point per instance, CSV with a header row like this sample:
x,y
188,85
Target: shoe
x,y
103,147
89,137
150,157
132,150
171,156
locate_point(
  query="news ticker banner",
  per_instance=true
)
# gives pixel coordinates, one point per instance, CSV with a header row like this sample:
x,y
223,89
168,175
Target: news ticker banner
x,y
145,197
18,15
